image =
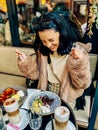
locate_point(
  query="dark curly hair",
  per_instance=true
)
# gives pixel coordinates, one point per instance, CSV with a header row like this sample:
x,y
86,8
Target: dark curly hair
x,y
68,30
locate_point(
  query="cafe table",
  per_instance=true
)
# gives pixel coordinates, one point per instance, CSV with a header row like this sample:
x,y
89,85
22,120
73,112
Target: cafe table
x,y
27,42
45,119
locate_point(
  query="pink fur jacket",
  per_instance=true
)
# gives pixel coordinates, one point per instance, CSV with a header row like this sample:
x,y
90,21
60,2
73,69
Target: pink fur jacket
x,y
75,78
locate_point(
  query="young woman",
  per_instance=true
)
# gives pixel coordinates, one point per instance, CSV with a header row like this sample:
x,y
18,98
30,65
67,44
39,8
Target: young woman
x,y
61,64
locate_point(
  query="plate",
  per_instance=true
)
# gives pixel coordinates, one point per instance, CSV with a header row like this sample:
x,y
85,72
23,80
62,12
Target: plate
x,y
23,122
51,95
70,126
22,99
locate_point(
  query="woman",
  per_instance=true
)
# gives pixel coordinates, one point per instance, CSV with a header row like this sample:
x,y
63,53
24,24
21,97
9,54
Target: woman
x,y
62,64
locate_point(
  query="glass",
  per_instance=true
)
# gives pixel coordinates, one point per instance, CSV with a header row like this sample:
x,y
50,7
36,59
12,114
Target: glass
x,y
33,36
2,124
11,107
61,116
35,118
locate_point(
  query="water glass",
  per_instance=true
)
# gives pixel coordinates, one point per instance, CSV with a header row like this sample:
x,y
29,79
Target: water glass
x,y
35,119
2,124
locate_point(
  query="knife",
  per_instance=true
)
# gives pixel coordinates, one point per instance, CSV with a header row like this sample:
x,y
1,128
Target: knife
x,y
52,122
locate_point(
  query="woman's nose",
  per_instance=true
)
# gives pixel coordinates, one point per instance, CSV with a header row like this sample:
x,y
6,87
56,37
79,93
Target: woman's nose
x,y
49,44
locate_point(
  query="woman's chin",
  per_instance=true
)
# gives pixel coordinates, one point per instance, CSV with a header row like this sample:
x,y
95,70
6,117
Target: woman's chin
x,y
53,49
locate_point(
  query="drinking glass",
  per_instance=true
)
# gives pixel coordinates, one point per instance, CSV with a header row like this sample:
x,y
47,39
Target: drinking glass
x,y
11,107
35,118
61,117
33,36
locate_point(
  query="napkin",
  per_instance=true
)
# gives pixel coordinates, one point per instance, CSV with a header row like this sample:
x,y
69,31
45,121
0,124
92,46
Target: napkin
x,y
11,126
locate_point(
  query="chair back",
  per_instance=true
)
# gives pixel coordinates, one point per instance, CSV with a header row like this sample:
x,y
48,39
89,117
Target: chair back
x,y
93,63
94,110
82,116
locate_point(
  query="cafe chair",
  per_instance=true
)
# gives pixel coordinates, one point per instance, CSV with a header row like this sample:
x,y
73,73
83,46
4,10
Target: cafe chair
x,y
93,122
82,116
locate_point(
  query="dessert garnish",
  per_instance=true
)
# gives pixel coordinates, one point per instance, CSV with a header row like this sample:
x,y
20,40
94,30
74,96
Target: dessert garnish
x,y
10,92
43,102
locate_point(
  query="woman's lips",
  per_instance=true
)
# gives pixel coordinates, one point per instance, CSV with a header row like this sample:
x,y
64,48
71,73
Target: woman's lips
x,y
52,47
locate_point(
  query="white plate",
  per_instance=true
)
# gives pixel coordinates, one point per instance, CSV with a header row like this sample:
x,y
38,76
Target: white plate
x,y
51,95
70,126
22,99
24,119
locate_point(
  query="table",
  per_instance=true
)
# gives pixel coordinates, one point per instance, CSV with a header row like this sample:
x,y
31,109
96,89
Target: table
x,y
27,42
46,119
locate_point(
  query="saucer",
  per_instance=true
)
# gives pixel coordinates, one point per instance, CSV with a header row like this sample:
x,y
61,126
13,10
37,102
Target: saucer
x,y
70,126
23,122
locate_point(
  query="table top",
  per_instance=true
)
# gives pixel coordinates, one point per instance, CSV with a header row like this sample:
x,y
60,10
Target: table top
x,y
27,42
46,118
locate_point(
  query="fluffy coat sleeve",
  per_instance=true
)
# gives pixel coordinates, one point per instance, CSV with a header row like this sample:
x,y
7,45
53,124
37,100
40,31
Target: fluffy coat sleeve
x,y
30,67
78,77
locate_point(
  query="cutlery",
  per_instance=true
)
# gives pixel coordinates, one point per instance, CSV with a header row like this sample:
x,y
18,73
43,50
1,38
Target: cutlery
x,y
28,110
52,122
24,109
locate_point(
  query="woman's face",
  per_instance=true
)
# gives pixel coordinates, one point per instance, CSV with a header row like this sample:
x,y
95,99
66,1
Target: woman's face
x,y
50,38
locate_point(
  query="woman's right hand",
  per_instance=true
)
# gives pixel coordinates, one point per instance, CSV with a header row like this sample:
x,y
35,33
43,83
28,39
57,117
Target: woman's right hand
x,y
21,56
76,53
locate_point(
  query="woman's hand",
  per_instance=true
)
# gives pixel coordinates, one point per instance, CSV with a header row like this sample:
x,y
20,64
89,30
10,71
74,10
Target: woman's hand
x,y
21,56
76,53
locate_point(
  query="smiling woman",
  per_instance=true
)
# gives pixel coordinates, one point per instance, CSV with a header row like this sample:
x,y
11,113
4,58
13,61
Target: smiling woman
x,y
62,60
50,39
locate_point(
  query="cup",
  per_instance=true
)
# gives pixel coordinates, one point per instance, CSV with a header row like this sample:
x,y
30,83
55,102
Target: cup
x,y
35,118
2,123
11,107
61,117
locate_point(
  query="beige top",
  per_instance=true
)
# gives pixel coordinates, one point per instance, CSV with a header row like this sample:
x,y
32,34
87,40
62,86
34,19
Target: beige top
x,y
56,68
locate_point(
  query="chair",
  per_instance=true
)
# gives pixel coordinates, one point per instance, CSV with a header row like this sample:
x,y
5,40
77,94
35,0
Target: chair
x,y
82,116
94,109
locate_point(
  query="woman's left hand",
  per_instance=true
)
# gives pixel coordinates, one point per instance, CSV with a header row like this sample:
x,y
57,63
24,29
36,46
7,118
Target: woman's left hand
x,y
76,53
21,56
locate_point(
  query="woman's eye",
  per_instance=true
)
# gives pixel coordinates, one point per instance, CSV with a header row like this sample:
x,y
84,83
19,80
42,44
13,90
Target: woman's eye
x,y
52,40
43,42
